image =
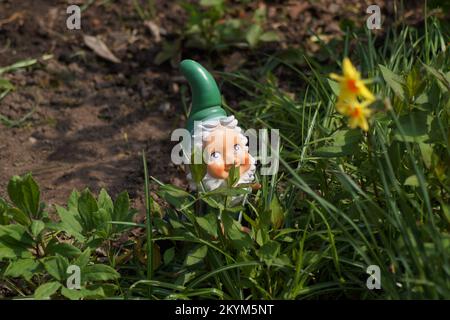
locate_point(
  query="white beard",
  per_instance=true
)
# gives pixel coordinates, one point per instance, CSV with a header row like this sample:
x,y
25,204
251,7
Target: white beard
x,y
211,183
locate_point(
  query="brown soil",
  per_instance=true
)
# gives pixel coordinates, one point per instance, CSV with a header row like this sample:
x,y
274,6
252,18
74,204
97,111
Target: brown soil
x,y
92,117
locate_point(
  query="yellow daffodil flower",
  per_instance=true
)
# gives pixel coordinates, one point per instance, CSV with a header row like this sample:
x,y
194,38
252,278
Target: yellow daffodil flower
x,y
358,112
351,85
343,107
354,97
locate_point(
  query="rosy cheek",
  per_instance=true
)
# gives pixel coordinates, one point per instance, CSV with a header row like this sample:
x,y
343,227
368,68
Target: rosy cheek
x,y
217,170
246,159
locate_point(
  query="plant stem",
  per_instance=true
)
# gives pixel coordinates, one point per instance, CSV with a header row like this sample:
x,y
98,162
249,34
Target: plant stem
x,y
149,225
374,185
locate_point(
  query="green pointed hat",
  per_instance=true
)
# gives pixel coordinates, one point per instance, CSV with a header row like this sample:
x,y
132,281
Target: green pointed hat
x,y
206,98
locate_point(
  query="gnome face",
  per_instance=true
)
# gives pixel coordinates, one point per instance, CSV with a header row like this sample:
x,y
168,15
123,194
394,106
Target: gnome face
x,y
224,148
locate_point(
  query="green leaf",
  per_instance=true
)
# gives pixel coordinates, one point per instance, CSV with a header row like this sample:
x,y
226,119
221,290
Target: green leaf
x,y
24,63
56,266
446,211
101,220
259,15
426,150
347,138
101,290
37,226
331,152
121,207
156,210
87,203
6,252
277,213
175,196
444,81
412,181
24,268
105,201
198,171
24,193
270,36
99,272
415,83
161,225
233,230
19,216
4,217
334,85
208,223
176,224
62,248
196,256
46,290
83,293
226,191
395,82
233,176
211,3
87,206
5,84
269,251
213,203
15,234
69,222
94,242
72,204
253,35
414,127
72,294
344,143
170,50
168,256
83,259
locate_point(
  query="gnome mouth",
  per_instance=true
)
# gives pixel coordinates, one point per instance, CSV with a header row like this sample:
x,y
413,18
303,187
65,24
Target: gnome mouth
x,y
224,173
243,168
228,167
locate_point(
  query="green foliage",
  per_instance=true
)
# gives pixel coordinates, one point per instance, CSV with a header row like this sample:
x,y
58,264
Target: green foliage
x,y
146,11
210,28
6,87
38,250
356,199
342,200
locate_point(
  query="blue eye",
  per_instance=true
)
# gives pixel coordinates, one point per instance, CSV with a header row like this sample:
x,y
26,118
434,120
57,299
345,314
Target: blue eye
x,y
215,155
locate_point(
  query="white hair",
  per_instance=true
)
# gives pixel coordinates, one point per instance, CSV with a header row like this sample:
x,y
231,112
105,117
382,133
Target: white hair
x,y
204,129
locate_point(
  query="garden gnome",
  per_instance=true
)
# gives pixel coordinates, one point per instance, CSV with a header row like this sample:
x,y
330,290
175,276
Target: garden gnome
x,y
214,133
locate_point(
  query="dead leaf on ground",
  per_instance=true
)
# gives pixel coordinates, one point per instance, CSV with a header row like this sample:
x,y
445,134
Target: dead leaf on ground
x,y
234,62
15,16
154,29
120,40
295,9
100,48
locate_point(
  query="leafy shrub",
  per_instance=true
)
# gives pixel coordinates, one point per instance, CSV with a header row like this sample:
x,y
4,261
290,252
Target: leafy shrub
x,y
36,252
209,29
